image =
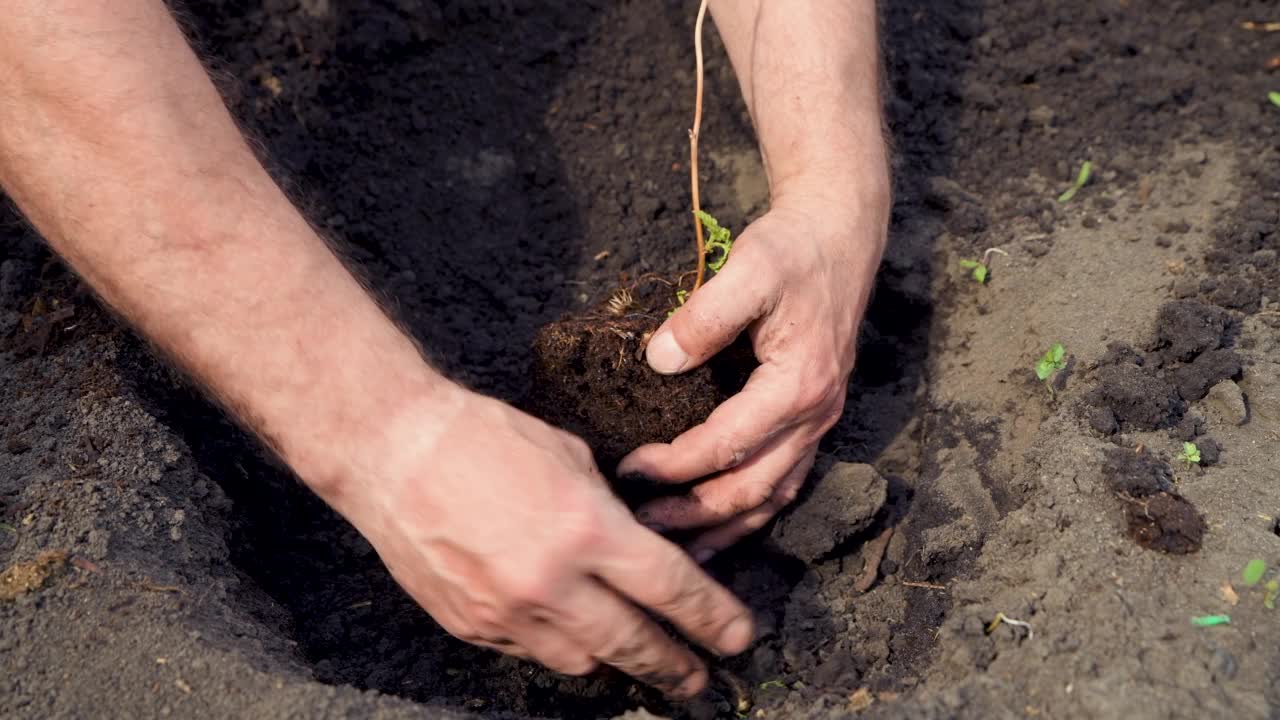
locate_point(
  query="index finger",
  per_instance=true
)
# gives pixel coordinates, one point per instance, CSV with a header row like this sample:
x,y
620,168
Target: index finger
x,y
733,432
656,574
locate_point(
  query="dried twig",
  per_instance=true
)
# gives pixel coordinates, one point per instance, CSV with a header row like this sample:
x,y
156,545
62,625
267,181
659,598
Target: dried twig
x,y
930,586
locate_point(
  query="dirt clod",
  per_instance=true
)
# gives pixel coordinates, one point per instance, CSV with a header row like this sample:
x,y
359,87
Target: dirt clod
x,y
1136,473
1136,398
23,577
1186,328
1165,522
590,378
841,504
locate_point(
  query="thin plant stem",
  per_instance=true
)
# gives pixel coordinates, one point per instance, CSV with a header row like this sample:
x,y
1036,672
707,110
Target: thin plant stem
x,y
693,147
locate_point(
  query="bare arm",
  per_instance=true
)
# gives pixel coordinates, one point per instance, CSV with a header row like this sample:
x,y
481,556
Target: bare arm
x,y
117,146
799,277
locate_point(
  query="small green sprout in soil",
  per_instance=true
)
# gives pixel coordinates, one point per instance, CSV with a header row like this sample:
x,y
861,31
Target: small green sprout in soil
x,y
1051,362
719,241
1190,454
1082,179
1211,620
1273,591
773,684
1274,97
1253,571
982,268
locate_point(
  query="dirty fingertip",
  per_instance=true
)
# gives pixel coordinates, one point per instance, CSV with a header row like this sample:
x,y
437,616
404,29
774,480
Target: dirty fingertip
x,y
665,354
736,636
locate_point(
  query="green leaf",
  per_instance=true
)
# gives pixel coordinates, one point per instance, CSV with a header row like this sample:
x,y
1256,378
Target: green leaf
x,y
1211,620
719,241
1085,171
1274,97
980,273
1273,591
1253,571
1051,361
1190,453
970,264
1082,179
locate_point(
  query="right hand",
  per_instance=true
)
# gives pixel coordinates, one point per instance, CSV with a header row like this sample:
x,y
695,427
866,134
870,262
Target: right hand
x,y
502,528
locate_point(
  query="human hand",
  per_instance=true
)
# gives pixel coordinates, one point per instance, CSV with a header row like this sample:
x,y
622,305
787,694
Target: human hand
x,y
798,282
501,527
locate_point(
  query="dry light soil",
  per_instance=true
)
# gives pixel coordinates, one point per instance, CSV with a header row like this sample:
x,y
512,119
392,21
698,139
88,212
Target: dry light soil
x,y
493,166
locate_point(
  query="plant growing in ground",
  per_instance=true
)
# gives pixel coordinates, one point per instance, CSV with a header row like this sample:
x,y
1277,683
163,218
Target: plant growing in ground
x,y
1274,97
1273,591
1053,360
982,268
1082,178
1190,454
1253,571
720,241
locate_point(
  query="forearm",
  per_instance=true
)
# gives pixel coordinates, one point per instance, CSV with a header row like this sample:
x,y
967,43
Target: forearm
x,y
116,145
809,72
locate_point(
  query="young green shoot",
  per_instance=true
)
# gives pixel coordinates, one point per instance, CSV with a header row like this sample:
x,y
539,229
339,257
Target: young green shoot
x,y
1274,97
1190,454
979,270
1002,618
719,241
1082,178
982,268
1253,571
1053,360
1273,591
1211,620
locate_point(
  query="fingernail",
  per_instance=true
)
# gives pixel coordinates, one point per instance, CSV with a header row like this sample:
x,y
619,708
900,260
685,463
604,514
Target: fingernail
x,y
665,354
737,636
703,555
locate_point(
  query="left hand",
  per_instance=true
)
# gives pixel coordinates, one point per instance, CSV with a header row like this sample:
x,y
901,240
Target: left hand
x,y
798,280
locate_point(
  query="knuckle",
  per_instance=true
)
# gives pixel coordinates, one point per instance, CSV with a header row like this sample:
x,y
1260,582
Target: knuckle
x,y
530,589
578,667
486,620
579,449
729,452
752,495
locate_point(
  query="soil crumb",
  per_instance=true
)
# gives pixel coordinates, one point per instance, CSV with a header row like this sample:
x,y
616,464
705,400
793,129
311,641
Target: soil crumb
x,y
841,504
21,578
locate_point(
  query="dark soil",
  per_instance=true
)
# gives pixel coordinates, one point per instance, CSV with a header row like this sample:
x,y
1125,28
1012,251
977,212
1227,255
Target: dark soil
x,y
475,160
590,377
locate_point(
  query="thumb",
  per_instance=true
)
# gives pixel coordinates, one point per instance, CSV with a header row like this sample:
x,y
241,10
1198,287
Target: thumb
x,y
711,319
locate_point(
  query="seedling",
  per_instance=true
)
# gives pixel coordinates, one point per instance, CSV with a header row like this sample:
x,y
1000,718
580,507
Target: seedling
x,y
1190,454
1274,97
1211,620
982,268
1053,360
1273,591
719,241
1253,571
1002,618
1082,178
